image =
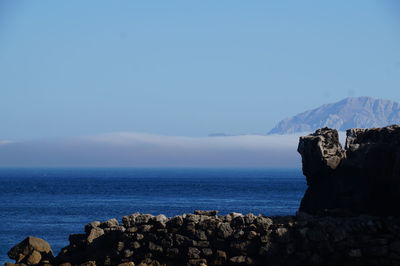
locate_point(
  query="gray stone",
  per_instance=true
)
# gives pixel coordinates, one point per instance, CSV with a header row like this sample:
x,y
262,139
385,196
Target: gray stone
x,y
225,230
160,221
249,218
193,253
27,247
192,218
111,223
33,258
139,236
91,225
207,252
263,223
238,259
206,213
135,245
136,219
183,241
144,228
175,222
200,235
94,233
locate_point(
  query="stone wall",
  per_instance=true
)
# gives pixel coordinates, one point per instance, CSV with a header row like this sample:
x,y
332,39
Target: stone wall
x,y
235,239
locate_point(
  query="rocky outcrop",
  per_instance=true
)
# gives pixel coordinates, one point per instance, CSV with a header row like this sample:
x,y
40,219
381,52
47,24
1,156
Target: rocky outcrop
x,y
321,154
362,178
234,239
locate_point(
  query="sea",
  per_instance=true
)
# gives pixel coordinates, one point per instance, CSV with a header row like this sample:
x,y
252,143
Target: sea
x,y
52,203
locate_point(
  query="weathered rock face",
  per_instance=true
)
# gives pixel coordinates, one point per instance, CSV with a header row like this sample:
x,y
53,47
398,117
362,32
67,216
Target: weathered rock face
x,y
321,154
363,178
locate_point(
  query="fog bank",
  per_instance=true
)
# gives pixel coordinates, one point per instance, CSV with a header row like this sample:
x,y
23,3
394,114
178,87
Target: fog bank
x,y
128,149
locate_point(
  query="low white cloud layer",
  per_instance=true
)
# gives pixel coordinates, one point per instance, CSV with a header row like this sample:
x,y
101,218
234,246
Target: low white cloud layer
x,y
148,150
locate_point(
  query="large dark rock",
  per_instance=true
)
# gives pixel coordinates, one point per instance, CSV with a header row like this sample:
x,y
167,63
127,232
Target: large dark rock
x,y
363,178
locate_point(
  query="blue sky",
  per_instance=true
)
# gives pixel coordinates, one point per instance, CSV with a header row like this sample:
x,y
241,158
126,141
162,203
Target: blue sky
x,y
142,83
187,68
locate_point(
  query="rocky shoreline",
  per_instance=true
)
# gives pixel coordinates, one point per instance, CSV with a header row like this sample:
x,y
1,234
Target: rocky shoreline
x,y
353,195
205,238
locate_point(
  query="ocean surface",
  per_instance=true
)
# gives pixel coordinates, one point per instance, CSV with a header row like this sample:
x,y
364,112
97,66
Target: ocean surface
x,y
53,203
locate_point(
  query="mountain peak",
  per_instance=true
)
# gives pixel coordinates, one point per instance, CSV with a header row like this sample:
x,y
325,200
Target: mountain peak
x,y
352,112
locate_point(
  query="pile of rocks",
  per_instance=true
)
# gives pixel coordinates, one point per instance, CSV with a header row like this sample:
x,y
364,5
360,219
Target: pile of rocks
x,y
205,238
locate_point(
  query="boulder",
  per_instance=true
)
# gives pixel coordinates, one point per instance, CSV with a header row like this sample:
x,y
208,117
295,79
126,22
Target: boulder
x,y
110,223
31,251
91,225
224,230
94,233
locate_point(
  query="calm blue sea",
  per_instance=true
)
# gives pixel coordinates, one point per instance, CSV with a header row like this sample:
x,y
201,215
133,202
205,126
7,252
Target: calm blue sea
x,y
53,203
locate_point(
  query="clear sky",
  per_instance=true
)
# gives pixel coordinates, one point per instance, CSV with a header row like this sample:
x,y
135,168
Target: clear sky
x,y
188,68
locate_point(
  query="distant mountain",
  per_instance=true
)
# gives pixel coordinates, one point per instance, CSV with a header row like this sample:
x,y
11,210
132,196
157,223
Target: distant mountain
x,y
357,112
